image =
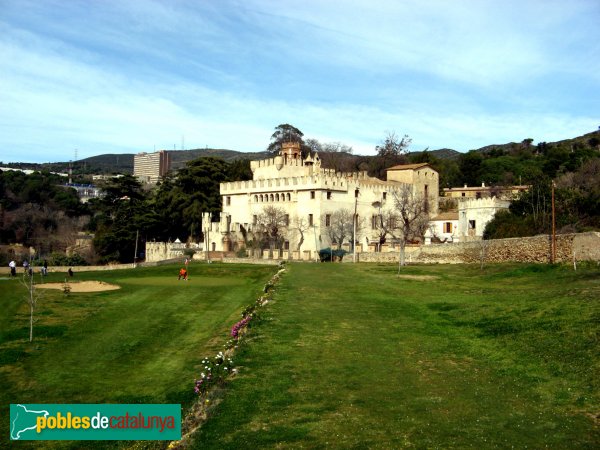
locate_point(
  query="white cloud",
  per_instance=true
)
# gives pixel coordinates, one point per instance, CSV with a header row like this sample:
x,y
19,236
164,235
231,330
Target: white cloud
x,y
132,76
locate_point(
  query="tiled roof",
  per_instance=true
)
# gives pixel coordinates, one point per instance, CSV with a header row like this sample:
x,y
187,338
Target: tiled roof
x,y
448,215
408,166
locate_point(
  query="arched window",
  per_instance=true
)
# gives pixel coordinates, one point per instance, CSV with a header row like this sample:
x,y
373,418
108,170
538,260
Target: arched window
x,y
256,198
276,197
261,198
289,197
271,198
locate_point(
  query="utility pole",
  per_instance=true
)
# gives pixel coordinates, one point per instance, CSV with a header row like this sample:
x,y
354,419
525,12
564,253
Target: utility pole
x,y
316,247
206,221
137,233
354,226
553,227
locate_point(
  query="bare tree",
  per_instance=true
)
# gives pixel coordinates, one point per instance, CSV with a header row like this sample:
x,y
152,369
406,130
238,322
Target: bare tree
x,y
339,226
383,223
410,218
391,151
271,226
392,145
301,226
313,144
31,298
337,156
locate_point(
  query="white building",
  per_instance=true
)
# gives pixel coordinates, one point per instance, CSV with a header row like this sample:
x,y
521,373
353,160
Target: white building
x,y
474,215
149,167
443,228
310,195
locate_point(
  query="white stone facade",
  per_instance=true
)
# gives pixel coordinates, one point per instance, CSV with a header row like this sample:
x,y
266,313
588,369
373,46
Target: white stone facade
x,y
443,229
474,215
310,194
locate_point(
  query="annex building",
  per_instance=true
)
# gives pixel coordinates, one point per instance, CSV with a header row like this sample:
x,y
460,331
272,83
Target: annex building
x,y
310,195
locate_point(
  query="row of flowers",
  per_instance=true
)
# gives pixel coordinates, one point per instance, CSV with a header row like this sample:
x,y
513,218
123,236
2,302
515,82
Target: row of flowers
x,y
218,368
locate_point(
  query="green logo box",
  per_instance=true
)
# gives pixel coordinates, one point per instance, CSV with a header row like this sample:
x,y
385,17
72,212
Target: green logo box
x,y
84,422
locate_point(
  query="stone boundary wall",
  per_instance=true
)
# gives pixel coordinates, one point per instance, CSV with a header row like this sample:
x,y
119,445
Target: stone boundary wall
x,y
534,249
76,269
385,257
272,262
64,269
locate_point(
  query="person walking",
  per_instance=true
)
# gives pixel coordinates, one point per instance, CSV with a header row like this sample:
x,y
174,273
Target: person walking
x,y
13,268
45,268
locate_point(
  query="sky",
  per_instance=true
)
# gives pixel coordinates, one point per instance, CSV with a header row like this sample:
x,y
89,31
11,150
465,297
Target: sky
x,y
83,78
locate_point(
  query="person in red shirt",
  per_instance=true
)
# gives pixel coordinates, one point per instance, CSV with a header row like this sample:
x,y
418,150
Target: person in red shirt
x,y
183,274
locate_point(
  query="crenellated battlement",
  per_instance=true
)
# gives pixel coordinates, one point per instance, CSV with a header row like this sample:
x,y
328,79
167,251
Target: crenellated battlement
x,y
486,202
274,162
324,179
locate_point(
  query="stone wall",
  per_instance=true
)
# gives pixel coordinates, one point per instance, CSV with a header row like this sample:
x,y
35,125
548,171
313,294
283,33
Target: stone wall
x,y
76,269
250,261
535,249
158,251
386,256
586,247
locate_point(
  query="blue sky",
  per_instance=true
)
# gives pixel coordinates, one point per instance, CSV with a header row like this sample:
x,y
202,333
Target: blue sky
x,y
129,76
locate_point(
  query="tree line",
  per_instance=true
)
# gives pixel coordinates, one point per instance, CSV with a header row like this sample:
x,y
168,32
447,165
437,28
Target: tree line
x,y
39,211
36,210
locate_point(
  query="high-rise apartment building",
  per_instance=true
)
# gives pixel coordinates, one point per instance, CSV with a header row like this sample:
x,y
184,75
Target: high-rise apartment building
x,y
149,167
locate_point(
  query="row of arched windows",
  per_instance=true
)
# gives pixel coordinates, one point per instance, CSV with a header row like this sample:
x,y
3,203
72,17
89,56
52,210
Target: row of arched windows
x,y
262,198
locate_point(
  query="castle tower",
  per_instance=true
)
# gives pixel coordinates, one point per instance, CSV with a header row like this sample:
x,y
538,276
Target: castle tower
x,y
290,151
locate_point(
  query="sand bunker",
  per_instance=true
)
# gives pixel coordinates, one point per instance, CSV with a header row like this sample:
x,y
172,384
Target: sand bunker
x,y
419,277
81,286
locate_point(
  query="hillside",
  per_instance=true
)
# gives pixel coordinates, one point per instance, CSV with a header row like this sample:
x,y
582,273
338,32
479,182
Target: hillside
x,y
442,153
123,163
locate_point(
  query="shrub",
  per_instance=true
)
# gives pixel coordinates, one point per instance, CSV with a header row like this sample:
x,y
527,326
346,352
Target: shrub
x,y
60,259
326,254
189,252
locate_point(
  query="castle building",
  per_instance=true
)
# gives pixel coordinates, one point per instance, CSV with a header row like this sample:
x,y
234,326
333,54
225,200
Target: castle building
x,y
149,167
475,213
309,197
483,191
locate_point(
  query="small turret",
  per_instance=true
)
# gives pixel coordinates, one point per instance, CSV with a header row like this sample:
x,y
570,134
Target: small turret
x,y
290,150
308,162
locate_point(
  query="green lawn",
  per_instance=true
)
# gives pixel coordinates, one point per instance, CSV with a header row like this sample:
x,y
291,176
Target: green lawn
x,y
140,344
351,356
346,356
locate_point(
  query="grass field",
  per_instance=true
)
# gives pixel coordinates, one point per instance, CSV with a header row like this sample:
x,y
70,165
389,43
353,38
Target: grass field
x,y
140,344
351,356
346,356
